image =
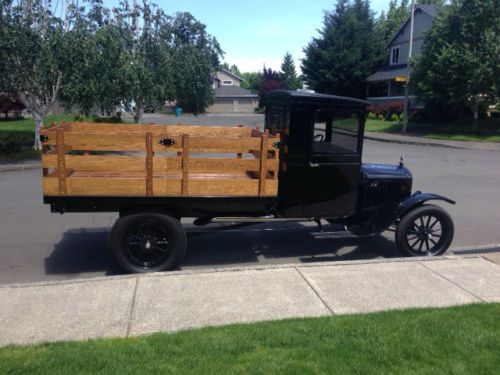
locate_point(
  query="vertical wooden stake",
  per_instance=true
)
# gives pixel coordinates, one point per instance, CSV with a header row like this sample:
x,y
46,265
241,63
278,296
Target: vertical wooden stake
x,y
61,162
239,155
149,164
263,163
185,165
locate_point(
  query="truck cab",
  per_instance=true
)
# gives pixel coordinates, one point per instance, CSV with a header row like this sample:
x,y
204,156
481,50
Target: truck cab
x,y
322,138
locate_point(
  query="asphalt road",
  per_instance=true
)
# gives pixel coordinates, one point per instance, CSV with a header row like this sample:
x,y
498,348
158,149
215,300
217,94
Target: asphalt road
x,y
37,245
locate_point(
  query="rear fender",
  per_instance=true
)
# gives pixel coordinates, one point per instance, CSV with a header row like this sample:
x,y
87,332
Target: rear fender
x,y
418,199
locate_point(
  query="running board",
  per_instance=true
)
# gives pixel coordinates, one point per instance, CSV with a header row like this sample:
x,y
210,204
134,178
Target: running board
x,y
261,219
332,235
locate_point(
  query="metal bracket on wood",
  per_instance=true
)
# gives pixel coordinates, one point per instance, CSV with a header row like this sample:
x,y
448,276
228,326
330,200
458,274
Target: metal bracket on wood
x,y
167,142
276,144
44,138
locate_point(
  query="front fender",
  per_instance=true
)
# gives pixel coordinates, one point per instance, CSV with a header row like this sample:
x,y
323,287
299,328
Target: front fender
x,y
417,199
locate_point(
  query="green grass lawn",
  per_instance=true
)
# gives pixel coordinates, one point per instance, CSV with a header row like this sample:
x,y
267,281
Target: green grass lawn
x,y
488,130
458,340
29,124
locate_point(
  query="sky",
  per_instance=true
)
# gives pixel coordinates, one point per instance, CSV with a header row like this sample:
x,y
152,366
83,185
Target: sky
x,y
257,32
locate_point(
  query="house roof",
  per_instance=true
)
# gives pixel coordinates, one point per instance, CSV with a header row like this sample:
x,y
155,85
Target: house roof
x,y
427,8
233,92
231,74
389,73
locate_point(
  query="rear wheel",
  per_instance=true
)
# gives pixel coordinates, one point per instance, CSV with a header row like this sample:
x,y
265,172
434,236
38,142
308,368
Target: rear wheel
x,y
427,230
147,242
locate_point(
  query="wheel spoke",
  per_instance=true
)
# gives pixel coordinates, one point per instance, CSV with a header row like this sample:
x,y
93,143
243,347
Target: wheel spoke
x,y
422,225
427,246
421,245
434,223
415,244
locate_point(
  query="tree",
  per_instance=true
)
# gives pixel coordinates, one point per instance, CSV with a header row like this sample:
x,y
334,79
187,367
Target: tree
x,y
129,56
192,76
460,62
290,79
33,64
196,58
271,81
345,53
251,81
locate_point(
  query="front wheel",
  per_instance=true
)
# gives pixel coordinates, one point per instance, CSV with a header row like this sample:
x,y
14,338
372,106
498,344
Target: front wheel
x,y
147,242
424,231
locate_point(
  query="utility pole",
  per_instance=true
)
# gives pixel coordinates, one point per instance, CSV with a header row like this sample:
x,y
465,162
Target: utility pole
x,y
410,51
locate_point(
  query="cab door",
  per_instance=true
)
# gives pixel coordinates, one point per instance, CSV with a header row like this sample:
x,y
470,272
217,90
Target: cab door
x,y
334,161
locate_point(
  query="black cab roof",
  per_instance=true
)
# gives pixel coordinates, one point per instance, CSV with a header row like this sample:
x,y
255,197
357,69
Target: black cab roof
x,y
313,98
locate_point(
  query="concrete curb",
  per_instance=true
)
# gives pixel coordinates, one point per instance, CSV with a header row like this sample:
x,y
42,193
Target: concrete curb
x,y
20,167
264,267
416,141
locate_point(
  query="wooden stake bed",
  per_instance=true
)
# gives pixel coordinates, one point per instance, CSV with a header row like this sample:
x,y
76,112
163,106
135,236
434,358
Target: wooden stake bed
x,y
87,159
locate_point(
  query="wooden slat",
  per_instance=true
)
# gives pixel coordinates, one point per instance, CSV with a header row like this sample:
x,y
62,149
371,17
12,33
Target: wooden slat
x,y
233,145
100,186
263,164
106,163
174,130
223,165
185,165
149,164
217,188
61,167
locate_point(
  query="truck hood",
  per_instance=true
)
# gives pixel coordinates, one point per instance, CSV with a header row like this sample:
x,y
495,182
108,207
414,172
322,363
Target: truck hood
x,y
385,172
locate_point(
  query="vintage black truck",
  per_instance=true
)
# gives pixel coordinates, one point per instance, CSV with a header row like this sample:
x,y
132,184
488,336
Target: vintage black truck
x,y
306,165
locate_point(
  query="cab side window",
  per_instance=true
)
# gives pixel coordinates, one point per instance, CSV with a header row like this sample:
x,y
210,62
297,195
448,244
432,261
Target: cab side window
x,y
336,132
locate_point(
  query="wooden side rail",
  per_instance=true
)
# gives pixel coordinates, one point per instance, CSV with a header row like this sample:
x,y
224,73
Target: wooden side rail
x,y
152,162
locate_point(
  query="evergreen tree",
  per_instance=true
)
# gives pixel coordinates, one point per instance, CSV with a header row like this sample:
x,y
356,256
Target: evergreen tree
x,y
289,74
345,53
459,66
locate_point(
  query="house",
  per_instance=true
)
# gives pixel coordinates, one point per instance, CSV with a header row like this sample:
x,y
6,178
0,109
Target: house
x,y
388,84
229,96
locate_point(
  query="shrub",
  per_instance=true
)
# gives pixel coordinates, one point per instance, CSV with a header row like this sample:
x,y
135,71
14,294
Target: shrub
x,y
109,120
381,117
10,103
394,117
372,116
15,141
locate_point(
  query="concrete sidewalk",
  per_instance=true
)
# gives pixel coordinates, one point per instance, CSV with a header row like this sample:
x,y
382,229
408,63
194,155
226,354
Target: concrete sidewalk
x,y
135,305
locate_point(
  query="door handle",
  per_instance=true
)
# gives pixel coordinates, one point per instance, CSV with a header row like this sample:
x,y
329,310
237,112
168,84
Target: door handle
x,y
313,165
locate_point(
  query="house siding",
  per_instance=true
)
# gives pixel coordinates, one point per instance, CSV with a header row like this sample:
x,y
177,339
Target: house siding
x,y
422,23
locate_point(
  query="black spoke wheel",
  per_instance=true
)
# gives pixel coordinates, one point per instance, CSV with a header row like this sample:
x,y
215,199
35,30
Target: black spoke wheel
x,y
147,242
427,230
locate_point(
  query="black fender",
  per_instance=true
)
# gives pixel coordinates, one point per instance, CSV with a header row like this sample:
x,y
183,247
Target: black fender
x,y
418,199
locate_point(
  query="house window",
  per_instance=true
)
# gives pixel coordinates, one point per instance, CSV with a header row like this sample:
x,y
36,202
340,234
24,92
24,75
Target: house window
x,y
395,55
227,83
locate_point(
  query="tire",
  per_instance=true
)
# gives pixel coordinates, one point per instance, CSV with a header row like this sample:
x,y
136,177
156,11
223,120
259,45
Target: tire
x,y
425,231
150,242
